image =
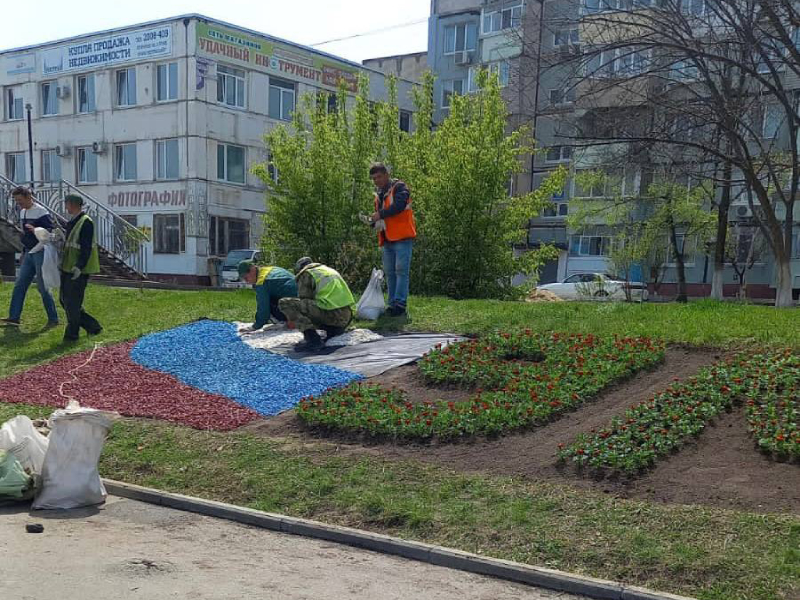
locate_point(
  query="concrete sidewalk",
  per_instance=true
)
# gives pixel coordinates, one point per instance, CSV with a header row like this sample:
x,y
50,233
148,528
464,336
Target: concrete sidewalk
x,y
127,549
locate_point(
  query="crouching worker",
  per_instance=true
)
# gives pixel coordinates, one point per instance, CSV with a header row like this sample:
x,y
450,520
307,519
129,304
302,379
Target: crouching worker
x,y
271,285
80,260
324,302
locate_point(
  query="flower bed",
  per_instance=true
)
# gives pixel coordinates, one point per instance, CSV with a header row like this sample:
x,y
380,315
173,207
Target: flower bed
x,y
654,428
520,379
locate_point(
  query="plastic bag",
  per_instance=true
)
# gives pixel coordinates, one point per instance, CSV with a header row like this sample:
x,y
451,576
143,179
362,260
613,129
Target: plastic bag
x,y
20,438
371,305
15,483
70,478
51,274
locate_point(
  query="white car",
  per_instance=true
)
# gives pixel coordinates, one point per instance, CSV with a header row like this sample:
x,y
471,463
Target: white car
x,y
596,286
230,268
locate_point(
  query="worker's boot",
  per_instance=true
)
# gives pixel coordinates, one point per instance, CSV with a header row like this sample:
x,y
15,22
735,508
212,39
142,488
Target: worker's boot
x,y
332,332
311,342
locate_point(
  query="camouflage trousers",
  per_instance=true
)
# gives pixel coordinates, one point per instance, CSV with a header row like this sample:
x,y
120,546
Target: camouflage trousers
x,y
305,314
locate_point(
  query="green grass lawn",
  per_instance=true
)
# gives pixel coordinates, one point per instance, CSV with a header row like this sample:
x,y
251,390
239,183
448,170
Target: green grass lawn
x,y
712,554
128,313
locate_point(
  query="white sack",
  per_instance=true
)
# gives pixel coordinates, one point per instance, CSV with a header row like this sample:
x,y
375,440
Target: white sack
x,y
51,274
20,438
371,305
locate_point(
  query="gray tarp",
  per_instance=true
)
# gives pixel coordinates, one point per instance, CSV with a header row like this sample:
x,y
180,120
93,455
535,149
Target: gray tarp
x,y
373,358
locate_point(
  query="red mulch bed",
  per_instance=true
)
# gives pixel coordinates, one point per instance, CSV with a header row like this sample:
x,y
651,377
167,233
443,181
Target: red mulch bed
x,y
113,381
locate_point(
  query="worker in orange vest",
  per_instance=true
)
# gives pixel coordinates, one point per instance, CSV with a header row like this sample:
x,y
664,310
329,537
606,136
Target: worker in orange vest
x,y
394,221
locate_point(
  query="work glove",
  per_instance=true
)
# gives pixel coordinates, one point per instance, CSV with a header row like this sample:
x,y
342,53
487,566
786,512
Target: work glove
x,y
76,272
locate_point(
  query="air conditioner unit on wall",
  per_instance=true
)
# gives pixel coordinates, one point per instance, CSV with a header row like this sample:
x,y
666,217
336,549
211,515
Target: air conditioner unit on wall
x,y
98,147
62,91
742,212
63,150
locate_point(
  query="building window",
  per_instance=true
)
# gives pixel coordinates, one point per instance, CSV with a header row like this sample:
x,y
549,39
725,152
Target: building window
x,y
557,209
405,121
15,106
51,166
49,98
564,37
86,102
272,170
558,154
561,96
125,162
87,165
130,219
460,38
281,99
684,70
169,234
589,245
167,82
596,6
126,87
449,88
15,166
167,159
230,163
772,121
505,18
230,86
225,235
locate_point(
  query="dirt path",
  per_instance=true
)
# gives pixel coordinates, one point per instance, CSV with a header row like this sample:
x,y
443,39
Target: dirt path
x,y
722,468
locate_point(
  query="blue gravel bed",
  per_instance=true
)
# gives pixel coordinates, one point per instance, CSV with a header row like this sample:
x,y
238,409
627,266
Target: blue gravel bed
x,y
210,356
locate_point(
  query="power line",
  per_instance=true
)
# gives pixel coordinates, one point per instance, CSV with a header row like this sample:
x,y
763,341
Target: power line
x,y
373,32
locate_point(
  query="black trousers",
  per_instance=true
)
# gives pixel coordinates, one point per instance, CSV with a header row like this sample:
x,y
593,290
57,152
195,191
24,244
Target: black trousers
x,y
71,297
274,311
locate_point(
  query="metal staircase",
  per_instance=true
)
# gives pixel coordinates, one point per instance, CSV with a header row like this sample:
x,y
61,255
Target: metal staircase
x,y
122,246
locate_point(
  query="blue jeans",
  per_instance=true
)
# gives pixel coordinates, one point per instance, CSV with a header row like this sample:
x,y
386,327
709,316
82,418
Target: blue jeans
x,y
31,268
396,266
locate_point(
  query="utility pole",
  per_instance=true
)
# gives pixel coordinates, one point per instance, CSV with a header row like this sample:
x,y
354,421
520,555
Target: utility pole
x,y
28,108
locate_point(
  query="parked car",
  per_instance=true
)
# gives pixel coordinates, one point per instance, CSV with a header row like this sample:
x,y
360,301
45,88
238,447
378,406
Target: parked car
x,y
596,286
230,267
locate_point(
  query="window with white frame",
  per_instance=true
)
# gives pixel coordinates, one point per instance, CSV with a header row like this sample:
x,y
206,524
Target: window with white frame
x,y
49,98
564,37
590,245
230,86
507,17
87,165
597,6
773,119
51,166
684,70
693,7
501,68
618,62
771,58
619,182
556,209
460,38
86,99
125,162
561,96
169,233
167,82
449,88
167,165
558,154
15,105
15,166
230,163
126,87
281,99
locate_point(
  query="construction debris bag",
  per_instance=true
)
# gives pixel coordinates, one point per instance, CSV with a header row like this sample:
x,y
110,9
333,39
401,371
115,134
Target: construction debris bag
x,y
371,305
70,478
15,483
19,437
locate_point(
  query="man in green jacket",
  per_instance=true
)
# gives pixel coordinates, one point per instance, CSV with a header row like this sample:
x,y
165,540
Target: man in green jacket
x,y
271,284
79,261
324,302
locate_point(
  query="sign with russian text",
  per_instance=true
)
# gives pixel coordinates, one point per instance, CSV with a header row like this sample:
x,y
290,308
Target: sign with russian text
x,y
147,199
110,49
271,57
21,63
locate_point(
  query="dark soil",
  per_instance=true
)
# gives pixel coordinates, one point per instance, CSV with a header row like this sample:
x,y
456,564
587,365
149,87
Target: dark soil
x,y
721,468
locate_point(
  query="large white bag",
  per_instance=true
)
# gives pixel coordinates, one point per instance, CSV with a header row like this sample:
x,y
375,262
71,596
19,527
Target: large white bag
x,y
371,305
70,478
50,266
20,438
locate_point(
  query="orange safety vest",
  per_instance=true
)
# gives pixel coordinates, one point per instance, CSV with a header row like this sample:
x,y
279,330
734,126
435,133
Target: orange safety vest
x,y
398,227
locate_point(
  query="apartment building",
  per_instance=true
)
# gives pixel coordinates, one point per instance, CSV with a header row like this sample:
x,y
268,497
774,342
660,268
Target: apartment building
x,y
160,123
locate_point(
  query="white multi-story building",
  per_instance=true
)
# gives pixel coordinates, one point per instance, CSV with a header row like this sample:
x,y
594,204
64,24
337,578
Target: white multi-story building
x,y
160,123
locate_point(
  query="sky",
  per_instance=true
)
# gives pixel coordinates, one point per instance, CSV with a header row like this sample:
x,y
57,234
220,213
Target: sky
x,y
302,21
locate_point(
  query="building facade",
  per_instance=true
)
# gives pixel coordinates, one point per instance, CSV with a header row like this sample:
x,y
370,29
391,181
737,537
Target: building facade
x,y
405,66
161,123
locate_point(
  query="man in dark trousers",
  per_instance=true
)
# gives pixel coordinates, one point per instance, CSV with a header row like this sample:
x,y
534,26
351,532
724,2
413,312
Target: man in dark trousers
x,y
394,221
80,260
32,215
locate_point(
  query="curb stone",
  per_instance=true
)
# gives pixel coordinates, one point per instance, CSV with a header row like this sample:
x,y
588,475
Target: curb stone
x,y
436,555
